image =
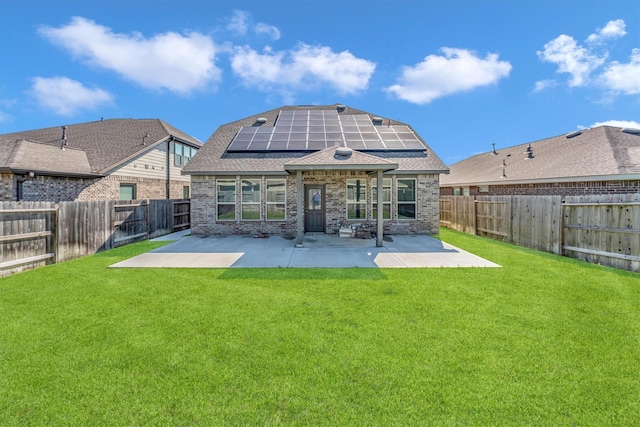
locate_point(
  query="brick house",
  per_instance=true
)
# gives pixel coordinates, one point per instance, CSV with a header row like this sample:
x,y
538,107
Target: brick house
x,y
102,160
301,169
601,160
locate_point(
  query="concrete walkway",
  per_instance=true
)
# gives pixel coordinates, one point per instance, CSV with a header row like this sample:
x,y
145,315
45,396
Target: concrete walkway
x,y
318,250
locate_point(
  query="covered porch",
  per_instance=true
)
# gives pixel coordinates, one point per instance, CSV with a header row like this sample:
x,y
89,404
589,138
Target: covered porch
x,y
312,197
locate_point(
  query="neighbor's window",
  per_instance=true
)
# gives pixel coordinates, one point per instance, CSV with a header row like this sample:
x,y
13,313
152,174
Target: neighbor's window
x,y
251,199
386,198
276,199
127,191
226,192
182,153
356,199
185,191
406,198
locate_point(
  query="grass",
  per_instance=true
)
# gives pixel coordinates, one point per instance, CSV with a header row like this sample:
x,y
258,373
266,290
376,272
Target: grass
x,y
544,340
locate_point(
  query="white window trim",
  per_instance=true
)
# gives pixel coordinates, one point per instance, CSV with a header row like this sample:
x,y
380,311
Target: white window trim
x,y
243,203
362,202
267,202
415,202
374,200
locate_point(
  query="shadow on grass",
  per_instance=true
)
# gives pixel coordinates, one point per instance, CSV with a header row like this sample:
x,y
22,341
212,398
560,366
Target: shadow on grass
x,y
304,273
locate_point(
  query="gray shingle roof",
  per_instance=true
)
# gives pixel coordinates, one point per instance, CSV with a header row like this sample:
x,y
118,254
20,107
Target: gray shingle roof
x,y
212,158
603,152
107,143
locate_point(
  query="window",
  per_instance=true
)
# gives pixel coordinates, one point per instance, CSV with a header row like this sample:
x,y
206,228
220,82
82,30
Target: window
x,y
356,199
185,191
386,198
182,153
226,192
276,199
127,191
406,198
251,199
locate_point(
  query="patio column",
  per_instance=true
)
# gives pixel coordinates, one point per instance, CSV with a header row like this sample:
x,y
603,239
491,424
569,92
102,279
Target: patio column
x,y
300,208
380,219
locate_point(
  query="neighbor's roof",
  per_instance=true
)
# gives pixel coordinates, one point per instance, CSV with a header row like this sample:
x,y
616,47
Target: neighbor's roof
x,y
214,159
601,153
103,145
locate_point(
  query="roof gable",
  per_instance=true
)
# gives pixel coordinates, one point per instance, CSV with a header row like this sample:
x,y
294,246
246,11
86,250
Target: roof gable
x,y
337,158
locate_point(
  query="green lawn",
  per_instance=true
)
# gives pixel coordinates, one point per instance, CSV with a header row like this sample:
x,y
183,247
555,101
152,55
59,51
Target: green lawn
x,y
543,341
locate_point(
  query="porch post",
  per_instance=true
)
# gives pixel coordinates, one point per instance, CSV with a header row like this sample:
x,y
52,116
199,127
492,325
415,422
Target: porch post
x,y
380,219
300,208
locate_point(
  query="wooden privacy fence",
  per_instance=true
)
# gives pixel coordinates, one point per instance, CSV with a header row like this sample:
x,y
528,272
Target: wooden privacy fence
x,y
39,233
599,229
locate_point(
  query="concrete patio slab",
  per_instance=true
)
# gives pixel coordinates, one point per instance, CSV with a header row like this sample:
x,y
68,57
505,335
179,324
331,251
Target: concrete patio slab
x,y
318,250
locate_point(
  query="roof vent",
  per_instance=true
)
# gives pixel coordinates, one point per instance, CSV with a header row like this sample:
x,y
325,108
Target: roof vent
x,y
261,120
377,120
344,151
494,148
340,107
573,134
529,152
632,131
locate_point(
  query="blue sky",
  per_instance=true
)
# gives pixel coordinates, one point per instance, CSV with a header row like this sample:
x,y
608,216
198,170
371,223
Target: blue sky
x,y
464,74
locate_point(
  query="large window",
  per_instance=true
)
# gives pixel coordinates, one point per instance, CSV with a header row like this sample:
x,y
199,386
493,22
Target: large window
x,y
386,198
251,199
182,153
127,191
276,199
226,192
356,199
406,198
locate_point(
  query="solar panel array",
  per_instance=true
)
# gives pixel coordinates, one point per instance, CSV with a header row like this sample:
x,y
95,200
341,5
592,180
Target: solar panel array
x,y
314,130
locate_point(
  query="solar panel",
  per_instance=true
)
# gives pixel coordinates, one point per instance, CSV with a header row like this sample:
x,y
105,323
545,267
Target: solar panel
x,y
312,130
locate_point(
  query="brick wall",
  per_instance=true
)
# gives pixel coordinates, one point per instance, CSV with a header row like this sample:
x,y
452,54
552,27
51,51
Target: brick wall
x,y
582,188
59,189
7,188
203,206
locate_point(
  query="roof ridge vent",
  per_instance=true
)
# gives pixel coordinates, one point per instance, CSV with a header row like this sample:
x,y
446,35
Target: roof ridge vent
x,y
261,120
633,131
376,120
344,151
573,134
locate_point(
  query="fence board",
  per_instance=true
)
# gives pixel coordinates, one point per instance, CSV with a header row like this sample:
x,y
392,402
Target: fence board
x,y
53,233
601,229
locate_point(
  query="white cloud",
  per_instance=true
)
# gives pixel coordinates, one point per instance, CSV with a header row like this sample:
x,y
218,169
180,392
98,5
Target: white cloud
x,y
624,78
456,71
583,64
544,84
570,58
612,30
618,123
238,23
65,96
4,117
268,30
178,63
303,68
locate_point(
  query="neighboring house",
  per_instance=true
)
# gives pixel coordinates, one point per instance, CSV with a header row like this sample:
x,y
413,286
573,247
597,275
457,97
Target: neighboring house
x,y
102,160
301,169
601,160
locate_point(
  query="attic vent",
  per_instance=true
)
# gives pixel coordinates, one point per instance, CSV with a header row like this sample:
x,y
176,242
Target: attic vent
x,y
261,120
632,131
573,134
377,120
494,148
340,107
529,152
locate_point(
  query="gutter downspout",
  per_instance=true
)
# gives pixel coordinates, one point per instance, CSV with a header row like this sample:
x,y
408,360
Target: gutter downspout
x,y
168,179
